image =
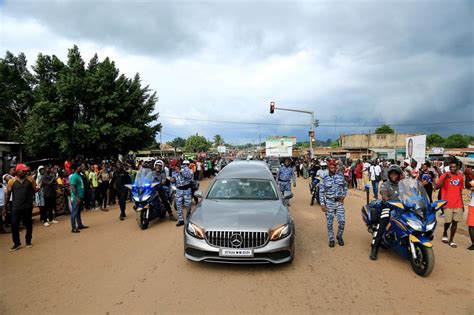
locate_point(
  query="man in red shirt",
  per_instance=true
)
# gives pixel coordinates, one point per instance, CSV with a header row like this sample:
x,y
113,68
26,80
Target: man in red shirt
x,y
451,184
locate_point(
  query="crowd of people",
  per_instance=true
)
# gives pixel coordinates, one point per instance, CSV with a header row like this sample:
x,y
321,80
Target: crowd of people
x,y
84,184
449,178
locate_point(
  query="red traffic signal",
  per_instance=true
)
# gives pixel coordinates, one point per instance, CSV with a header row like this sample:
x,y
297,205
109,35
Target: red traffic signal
x,y
272,107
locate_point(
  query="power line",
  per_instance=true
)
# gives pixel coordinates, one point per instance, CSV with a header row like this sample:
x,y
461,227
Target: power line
x,y
235,122
322,125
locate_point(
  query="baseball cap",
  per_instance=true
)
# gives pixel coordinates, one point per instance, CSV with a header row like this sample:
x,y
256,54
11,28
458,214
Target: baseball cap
x,y
22,167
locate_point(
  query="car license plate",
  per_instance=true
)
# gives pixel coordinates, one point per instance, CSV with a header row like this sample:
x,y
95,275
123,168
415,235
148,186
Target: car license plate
x,y
231,252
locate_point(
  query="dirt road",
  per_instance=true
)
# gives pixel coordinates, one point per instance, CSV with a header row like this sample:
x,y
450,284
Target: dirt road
x,y
115,268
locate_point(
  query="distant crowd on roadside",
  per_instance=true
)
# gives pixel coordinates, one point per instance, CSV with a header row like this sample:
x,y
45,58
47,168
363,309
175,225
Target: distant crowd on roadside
x,y
55,189
449,178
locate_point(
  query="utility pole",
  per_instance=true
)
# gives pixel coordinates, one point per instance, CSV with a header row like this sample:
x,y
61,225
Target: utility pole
x,y
272,110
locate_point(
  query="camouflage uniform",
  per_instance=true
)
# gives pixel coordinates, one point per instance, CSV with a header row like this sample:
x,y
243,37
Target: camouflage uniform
x,y
285,176
183,191
332,189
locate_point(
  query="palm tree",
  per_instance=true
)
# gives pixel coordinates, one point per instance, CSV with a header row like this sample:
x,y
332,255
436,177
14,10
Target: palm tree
x,y
218,140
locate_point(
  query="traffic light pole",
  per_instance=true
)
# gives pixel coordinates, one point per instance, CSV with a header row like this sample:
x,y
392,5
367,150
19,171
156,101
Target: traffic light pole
x,y
272,106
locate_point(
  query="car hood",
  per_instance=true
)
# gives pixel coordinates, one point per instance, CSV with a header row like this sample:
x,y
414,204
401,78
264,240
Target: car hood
x,y
240,214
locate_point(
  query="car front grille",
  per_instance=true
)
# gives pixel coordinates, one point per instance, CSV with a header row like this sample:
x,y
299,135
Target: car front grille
x,y
236,239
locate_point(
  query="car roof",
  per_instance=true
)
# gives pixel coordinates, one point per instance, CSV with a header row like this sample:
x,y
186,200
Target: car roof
x,y
246,169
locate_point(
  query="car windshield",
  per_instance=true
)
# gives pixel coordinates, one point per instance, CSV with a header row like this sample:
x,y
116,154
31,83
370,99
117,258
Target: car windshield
x,y
144,178
246,189
413,194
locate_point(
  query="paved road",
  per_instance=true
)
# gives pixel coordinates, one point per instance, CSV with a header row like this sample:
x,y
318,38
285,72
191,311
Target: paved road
x,y
115,268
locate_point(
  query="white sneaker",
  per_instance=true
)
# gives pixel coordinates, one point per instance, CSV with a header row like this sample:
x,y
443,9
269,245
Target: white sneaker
x,y
46,224
54,222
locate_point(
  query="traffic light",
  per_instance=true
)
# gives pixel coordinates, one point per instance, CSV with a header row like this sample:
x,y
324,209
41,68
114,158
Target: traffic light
x,y
316,123
311,134
272,107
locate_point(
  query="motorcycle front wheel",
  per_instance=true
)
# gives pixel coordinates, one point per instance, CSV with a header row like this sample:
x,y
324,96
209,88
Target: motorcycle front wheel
x,y
142,220
424,263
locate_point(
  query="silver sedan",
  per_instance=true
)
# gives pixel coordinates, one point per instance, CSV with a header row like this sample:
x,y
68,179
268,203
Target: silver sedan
x,y
242,218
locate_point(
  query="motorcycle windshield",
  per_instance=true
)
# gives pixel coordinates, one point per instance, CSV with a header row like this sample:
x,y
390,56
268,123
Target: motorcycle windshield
x,y
144,178
413,195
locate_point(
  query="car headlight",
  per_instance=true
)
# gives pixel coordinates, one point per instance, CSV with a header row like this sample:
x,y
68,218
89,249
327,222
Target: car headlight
x,y
136,198
195,230
431,226
279,232
415,225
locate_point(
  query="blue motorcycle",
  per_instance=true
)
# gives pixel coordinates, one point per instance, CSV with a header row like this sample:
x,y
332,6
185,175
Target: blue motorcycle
x,y
411,227
147,201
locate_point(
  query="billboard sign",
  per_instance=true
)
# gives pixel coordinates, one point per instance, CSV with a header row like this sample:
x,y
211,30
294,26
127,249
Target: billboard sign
x,y
282,147
416,148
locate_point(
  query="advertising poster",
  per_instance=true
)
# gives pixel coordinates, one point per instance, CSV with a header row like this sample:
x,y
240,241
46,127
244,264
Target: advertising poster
x,y
279,148
416,148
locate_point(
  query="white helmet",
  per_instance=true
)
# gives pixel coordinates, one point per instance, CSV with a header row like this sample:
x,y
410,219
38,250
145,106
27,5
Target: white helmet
x,y
324,164
186,162
158,162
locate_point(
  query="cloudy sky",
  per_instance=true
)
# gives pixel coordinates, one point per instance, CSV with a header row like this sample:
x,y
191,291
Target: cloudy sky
x,y
356,64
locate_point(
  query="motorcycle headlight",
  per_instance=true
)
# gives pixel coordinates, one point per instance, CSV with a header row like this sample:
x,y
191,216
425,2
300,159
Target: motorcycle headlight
x,y
136,198
431,226
146,197
195,230
415,225
279,232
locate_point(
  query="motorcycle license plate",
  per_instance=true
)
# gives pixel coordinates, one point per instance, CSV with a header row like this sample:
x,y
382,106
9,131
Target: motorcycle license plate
x,y
231,252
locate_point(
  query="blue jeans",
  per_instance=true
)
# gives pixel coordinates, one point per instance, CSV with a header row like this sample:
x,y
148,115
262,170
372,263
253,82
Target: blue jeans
x,y
76,208
375,187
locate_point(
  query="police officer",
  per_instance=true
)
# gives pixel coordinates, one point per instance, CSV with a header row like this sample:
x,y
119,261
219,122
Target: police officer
x,y
333,190
389,191
159,176
285,176
183,177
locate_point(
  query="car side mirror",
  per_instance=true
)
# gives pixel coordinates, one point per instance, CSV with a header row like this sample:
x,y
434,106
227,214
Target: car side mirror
x,y
287,195
198,194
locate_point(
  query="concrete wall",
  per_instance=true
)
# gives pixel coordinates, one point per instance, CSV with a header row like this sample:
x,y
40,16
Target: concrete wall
x,y
384,141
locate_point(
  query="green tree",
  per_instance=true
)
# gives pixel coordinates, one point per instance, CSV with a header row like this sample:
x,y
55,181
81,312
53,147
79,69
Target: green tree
x,y
435,140
197,143
94,110
177,143
16,95
218,140
335,144
384,129
456,141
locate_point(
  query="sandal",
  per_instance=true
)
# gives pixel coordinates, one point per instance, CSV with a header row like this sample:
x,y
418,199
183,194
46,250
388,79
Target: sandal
x,y
453,245
445,240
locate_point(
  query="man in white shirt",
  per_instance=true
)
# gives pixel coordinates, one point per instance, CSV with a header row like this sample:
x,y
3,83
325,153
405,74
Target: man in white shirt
x,y
375,173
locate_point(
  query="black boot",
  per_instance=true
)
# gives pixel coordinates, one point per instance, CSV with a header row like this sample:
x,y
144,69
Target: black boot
x,y
340,241
373,252
332,243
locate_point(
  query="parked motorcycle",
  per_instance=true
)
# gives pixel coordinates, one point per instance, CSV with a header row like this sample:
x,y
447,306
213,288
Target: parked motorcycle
x,y
147,202
411,227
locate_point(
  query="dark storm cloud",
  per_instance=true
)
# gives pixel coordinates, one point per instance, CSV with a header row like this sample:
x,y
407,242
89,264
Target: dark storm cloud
x,y
362,62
